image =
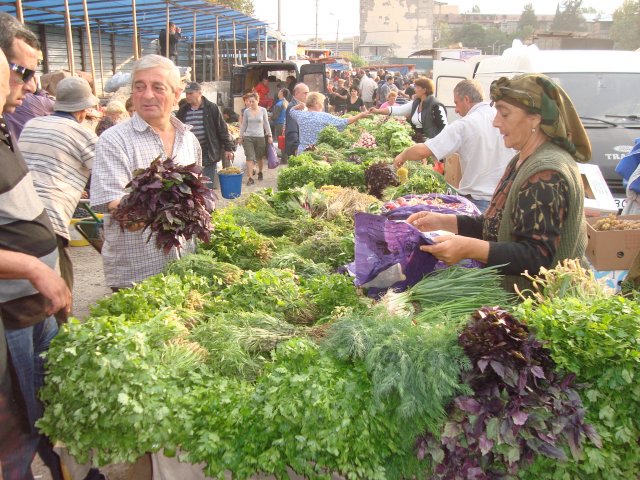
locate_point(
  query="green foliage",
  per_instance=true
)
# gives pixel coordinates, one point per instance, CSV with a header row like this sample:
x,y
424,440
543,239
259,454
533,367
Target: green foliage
x,y
625,30
143,300
328,246
231,243
112,386
598,339
331,291
414,369
297,160
423,180
218,274
332,136
346,174
302,266
272,291
569,18
308,172
263,221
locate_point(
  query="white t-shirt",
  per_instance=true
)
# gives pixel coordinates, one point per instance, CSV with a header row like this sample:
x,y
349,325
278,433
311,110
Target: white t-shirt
x,y
367,87
483,156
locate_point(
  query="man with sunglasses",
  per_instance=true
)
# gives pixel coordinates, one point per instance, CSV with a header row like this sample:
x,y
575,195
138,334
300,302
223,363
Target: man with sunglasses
x,y
28,256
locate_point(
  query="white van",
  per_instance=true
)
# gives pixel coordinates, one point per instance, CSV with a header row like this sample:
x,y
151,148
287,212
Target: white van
x,y
604,86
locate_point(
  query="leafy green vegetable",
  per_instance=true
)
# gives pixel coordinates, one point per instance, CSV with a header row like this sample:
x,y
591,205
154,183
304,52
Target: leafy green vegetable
x,y
219,274
315,173
423,180
346,174
332,136
598,339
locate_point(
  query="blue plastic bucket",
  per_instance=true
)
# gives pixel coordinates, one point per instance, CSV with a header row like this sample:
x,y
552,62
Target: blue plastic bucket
x,y
230,185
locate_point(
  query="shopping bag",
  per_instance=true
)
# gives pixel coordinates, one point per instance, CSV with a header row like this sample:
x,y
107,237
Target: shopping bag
x,y
272,156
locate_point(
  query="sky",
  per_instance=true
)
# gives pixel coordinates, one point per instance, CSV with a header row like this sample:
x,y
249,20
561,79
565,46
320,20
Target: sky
x,y
343,16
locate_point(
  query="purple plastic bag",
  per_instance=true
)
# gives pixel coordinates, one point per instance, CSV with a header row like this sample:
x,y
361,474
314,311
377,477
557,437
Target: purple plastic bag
x,y
272,156
451,204
387,254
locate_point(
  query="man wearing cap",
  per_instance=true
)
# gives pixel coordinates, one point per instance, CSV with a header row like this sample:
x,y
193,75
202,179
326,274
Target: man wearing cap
x,y
209,127
59,151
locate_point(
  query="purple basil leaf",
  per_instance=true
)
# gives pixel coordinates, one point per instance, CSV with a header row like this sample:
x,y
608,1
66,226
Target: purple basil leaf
x,y
520,417
482,364
537,372
498,368
591,433
485,444
468,404
552,451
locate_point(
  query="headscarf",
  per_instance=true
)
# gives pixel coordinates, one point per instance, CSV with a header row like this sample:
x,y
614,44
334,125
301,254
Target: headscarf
x,y
537,93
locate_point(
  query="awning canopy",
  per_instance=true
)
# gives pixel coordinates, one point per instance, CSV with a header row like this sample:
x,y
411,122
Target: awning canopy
x,y
116,16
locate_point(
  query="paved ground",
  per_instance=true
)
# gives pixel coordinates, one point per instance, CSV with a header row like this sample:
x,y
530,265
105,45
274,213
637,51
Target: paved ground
x,y
90,286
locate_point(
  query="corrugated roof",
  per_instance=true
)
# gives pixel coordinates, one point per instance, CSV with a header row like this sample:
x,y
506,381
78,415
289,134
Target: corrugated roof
x,y
116,16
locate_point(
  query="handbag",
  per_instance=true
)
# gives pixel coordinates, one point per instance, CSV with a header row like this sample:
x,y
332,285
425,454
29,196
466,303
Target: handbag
x,y
272,156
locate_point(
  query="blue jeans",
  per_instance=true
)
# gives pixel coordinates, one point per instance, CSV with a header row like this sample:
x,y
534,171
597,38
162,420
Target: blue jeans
x,y
481,204
26,346
211,172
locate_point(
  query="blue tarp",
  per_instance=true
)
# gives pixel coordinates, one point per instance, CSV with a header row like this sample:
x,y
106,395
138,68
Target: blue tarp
x,y
117,17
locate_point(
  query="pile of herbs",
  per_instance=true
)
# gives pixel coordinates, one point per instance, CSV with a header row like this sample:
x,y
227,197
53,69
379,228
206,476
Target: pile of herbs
x,y
170,200
380,176
421,180
519,407
596,337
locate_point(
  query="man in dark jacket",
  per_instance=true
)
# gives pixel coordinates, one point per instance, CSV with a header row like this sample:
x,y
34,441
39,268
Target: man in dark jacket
x,y
210,129
174,38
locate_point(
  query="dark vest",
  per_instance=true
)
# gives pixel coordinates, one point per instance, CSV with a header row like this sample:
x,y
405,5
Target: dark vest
x,y
429,126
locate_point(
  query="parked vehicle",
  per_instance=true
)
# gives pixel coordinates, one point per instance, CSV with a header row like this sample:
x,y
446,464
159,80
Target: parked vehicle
x,y
603,85
245,77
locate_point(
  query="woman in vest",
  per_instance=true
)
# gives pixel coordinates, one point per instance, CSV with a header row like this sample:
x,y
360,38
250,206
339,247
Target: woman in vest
x,y
536,215
425,113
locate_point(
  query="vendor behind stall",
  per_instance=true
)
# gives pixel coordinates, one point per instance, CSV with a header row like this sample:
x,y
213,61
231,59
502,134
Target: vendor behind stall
x,y
536,215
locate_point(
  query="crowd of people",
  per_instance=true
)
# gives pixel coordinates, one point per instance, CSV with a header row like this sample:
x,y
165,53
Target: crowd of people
x,y
518,155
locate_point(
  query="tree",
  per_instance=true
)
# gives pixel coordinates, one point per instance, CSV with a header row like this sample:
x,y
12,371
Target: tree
x,y
625,30
475,9
355,59
244,6
569,18
528,17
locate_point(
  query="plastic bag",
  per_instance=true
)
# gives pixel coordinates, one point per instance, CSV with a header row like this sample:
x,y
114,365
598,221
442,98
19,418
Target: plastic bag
x,y
272,156
120,79
401,208
239,158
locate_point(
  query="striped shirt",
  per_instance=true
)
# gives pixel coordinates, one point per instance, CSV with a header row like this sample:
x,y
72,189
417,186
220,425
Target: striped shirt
x,y
195,118
127,256
59,151
24,225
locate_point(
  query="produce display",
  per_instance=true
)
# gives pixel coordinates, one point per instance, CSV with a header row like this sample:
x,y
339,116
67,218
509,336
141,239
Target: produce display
x,y
169,200
613,222
254,356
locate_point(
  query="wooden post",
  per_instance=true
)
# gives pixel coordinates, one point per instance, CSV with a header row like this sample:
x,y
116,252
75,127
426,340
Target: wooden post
x,y
90,44
204,61
19,12
266,44
112,39
136,50
101,59
217,55
193,63
213,52
42,31
69,35
235,46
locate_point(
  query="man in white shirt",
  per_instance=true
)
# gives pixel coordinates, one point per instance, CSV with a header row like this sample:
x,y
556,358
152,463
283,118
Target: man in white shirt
x,y
483,156
367,87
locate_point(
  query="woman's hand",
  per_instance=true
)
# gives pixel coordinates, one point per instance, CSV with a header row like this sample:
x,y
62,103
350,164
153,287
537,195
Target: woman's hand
x,y
269,139
431,221
453,248
299,106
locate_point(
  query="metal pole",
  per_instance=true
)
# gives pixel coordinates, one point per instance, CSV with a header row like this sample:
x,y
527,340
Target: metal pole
x,y
316,23
337,33
217,55
136,53
280,16
247,42
69,35
266,43
193,63
101,59
19,12
166,34
90,43
235,47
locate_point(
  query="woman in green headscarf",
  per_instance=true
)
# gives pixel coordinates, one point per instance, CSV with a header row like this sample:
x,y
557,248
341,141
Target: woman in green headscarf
x,y
536,216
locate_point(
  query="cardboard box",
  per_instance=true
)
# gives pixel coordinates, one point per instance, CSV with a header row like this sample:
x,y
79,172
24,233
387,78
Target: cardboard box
x,y
613,249
452,171
611,278
597,196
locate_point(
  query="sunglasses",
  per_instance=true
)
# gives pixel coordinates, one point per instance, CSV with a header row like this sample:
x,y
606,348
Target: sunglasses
x,y
26,73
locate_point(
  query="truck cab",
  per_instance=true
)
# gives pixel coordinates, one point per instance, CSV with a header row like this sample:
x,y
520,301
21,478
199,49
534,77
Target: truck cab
x,y
246,77
603,85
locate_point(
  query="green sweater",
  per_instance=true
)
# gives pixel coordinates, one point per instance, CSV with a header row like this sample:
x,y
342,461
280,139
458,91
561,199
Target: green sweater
x,y
573,235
